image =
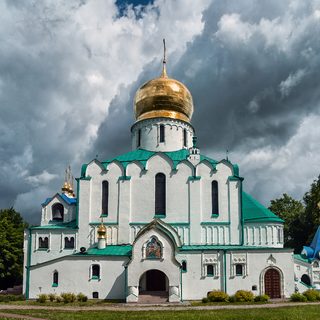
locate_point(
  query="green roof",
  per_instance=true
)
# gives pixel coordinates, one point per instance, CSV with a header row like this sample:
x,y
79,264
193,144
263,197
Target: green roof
x,y
59,225
254,211
143,156
124,250
299,257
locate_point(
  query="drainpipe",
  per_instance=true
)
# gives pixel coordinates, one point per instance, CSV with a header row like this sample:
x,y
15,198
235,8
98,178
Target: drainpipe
x,y
125,282
29,264
225,271
241,212
181,283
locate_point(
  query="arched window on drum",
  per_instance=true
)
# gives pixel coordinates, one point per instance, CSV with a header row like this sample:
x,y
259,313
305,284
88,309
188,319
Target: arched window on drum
x,y
214,198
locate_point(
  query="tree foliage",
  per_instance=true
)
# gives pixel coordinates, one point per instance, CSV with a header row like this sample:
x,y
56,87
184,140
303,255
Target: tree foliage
x,y
11,247
291,212
301,218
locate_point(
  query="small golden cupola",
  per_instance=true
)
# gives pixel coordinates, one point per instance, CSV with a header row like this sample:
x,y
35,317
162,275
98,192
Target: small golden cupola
x,y
65,188
163,97
102,235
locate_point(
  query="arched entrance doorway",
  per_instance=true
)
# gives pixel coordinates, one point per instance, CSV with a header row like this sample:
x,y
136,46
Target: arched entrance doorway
x,y
272,284
153,287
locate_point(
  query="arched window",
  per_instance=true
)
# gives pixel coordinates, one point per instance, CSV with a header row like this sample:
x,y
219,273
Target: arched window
x,y
184,266
160,195
184,137
316,264
306,280
55,279
69,244
139,139
95,271
239,270
57,212
215,204
105,197
161,137
210,271
43,243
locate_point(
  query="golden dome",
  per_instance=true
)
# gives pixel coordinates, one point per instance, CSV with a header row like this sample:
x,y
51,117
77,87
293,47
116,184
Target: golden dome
x,y
163,97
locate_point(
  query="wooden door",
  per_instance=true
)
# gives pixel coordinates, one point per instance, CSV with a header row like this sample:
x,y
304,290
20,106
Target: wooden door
x,y
156,280
272,284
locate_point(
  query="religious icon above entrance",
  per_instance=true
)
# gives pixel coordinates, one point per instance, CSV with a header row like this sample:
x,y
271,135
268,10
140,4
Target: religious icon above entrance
x,y
153,249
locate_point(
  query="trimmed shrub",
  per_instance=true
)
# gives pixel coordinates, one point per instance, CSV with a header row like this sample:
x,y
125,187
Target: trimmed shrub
x,y
52,297
312,295
261,298
72,297
11,297
20,297
80,296
42,298
217,296
232,299
2,298
298,297
84,299
58,299
204,300
243,296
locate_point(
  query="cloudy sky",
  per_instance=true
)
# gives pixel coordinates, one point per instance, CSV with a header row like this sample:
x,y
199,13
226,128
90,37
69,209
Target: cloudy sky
x,y
69,71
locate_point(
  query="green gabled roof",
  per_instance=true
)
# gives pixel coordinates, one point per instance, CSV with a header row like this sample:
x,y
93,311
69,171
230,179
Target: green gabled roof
x,y
299,257
108,251
143,156
253,211
59,225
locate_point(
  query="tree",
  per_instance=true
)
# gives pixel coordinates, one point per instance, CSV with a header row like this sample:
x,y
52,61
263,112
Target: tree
x,y
312,212
11,247
292,213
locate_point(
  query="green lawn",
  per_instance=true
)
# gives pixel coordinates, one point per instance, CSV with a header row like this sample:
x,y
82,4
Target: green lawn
x,y
292,313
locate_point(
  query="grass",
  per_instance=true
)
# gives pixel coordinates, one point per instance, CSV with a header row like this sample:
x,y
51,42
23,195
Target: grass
x,y
89,303
292,313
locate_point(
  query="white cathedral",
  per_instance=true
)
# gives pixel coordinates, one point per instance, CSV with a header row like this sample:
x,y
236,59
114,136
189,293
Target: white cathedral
x,y
162,219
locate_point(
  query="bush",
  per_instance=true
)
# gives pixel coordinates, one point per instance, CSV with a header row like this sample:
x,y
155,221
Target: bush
x,y
232,299
298,297
72,297
217,296
42,298
58,299
2,298
262,298
52,297
84,299
204,300
243,296
11,297
20,297
312,295
80,296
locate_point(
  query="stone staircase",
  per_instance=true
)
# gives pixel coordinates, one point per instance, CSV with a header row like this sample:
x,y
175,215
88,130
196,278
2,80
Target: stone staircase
x,y
16,290
153,297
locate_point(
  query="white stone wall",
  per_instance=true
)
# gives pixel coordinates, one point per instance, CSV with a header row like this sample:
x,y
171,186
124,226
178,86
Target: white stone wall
x,y
150,134
75,277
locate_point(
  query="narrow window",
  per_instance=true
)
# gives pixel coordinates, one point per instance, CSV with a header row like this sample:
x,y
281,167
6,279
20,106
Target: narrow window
x,y
161,133
69,244
160,195
95,295
184,137
184,266
43,243
239,269
316,264
57,212
105,197
139,139
279,235
210,272
95,272
215,205
55,279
